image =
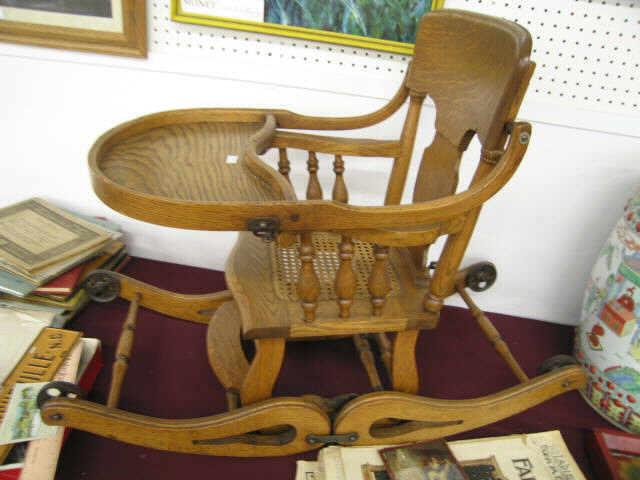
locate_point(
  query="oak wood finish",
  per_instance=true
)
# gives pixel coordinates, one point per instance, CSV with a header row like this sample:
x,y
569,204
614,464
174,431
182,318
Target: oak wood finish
x,y
471,77
379,285
292,120
123,353
195,308
345,277
339,192
368,361
398,177
235,211
493,335
173,168
309,285
314,189
249,274
428,418
224,348
228,434
132,41
337,145
404,370
263,371
284,165
385,348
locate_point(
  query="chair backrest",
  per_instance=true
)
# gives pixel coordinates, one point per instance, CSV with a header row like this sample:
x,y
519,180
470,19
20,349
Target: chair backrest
x,y
475,68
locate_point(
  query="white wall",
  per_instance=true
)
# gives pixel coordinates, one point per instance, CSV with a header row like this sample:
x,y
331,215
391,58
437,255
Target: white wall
x,y
543,230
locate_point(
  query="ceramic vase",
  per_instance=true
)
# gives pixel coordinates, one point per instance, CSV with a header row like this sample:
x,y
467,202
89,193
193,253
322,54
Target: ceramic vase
x,y
607,340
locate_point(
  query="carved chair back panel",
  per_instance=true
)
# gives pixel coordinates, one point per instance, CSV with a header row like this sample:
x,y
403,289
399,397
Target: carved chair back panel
x,y
471,66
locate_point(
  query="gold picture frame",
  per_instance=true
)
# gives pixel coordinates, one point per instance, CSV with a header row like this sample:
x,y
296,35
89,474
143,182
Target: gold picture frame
x,y
179,14
122,31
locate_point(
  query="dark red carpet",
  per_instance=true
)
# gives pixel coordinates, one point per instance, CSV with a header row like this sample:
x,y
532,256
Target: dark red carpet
x,y
170,377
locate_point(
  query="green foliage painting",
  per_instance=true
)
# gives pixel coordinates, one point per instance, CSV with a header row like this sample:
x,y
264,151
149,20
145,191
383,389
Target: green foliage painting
x,y
384,19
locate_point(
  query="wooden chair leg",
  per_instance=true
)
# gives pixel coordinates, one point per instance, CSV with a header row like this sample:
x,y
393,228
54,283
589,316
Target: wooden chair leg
x,y
368,360
404,370
123,353
493,335
385,348
264,370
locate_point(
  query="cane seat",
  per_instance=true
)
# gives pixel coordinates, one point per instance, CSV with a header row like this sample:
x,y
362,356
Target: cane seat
x,y
264,278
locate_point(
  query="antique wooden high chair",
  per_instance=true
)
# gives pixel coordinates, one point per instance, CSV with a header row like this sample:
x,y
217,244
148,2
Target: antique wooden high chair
x,y
318,268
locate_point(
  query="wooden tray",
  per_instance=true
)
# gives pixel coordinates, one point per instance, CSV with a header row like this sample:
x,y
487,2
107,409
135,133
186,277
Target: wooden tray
x,y
172,169
187,159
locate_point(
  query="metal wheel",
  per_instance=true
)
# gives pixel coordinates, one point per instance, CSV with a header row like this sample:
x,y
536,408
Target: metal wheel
x,y
480,276
102,286
59,390
556,362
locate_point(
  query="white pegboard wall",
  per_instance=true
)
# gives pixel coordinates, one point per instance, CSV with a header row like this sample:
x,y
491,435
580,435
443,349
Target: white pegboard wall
x,y
587,52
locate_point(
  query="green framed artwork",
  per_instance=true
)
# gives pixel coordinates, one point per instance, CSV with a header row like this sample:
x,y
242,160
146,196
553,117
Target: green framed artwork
x,y
388,25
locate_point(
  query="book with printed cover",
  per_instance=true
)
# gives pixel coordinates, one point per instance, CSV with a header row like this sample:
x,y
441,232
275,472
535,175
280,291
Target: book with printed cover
x,y
39,241
541,456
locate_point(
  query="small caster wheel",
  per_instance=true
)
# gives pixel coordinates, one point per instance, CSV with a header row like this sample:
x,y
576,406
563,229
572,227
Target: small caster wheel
x,y
102,286
59,390
556,362
480,276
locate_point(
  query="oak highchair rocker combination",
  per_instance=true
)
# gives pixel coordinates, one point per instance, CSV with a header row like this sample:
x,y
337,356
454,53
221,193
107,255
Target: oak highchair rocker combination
x,y
318,268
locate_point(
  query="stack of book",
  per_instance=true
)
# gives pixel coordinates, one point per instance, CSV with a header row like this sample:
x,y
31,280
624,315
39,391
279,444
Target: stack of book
x,y
31,355
540,456
45,255
47,252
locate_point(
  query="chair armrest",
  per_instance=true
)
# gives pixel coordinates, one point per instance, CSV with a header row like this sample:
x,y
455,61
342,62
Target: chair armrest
x,y
287,119
361,147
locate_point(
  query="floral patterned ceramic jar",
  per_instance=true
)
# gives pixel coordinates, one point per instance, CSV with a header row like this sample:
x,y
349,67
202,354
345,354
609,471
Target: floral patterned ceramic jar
x,y
607,341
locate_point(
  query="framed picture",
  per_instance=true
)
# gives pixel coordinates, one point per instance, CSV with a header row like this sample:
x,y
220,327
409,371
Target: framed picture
x,y
116,27
388,25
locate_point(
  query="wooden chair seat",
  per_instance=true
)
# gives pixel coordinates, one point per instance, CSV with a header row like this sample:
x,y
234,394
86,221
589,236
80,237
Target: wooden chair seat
x,y
263,278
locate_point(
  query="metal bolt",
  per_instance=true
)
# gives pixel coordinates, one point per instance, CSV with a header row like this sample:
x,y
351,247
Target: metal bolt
x,y
524,138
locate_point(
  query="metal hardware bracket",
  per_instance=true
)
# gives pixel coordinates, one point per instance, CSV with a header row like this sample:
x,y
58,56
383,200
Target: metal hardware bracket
x,y
266,228
332,439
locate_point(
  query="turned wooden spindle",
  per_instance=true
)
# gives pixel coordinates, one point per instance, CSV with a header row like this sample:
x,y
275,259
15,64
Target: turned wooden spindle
x,y
340,193
314,189
284,167
384,345
379,284
308,285
492,334
368,360
123,353
345,283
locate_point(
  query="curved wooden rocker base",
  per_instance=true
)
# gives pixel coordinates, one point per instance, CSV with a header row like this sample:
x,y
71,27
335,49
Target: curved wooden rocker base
x,y
228,434
237,433
423,418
